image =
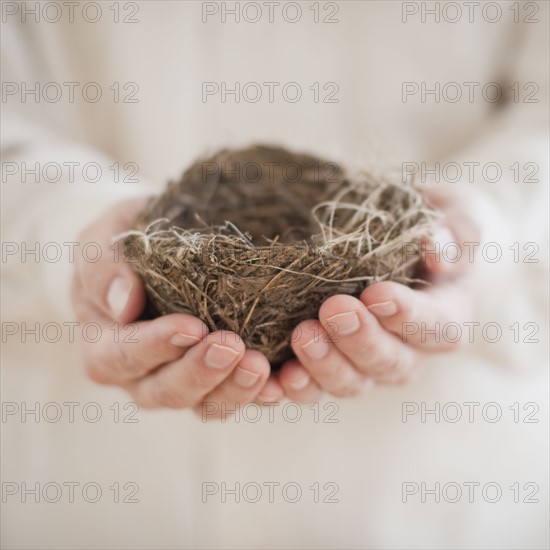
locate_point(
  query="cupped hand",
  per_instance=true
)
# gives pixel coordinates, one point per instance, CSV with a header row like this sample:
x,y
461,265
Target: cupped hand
x,y
383,336
172,361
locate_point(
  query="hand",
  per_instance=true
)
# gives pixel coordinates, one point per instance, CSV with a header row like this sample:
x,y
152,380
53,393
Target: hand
x,y
382,336
171,361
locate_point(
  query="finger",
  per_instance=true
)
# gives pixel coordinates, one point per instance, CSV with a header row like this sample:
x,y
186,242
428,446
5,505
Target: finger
x,y
427,320
448,250
272,392
298,384
359,337
321,358
441,253
238,389
184,383
108,283
128,352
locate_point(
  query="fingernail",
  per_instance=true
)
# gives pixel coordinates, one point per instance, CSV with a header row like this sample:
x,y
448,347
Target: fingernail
x,y
219,357
118,294
184,340
445,256
384,309
347,323
316,348
299,384
245,378
443,236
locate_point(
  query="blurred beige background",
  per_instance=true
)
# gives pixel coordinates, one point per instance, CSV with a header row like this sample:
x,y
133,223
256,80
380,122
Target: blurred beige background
x,y
372,49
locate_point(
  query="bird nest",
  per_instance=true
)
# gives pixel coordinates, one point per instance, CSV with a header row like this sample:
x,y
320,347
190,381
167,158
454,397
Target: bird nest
x,y
254,241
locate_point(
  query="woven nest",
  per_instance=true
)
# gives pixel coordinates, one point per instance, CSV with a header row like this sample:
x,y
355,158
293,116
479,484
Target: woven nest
x,y
255,240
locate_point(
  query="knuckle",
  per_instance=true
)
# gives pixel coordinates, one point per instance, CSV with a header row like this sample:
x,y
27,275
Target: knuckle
x,y
339,382
121,363
198,379
141,396
364,343
329,372
156,346
407,376
97,374
206,378
409,312
167,397
363,347
144,403
398,372
346,386
387,367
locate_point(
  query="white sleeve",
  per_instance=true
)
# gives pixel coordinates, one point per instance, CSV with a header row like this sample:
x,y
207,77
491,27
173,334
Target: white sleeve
x,y
51,189
51,186
505,170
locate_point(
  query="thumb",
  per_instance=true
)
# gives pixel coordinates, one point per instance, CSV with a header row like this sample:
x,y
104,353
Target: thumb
x,y
125,296
109,283
441,252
